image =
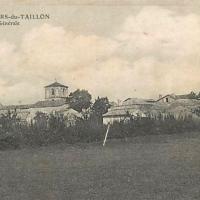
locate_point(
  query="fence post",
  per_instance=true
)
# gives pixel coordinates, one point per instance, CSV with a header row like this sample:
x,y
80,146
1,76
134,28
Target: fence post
x,y
104,142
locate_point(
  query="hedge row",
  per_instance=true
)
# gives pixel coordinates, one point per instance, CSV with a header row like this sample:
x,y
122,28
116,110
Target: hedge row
x,y
13,134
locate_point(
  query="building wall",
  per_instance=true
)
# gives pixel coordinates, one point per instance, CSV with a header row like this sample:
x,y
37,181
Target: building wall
x,y
31,112
112,119
167,99
56,92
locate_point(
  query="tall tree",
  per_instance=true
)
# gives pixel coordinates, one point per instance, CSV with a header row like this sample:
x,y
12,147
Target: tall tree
x,y
80,99
101,106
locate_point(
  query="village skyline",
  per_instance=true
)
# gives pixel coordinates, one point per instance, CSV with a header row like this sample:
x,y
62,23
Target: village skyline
x,y
191,94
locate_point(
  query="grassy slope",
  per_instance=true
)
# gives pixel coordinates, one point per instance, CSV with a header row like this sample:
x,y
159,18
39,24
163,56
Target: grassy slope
x,y
150,167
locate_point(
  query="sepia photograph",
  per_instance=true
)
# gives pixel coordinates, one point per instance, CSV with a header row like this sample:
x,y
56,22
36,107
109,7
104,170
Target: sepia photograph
x,y
99,100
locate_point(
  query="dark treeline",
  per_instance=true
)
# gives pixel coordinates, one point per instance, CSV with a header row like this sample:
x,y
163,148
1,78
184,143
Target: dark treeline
x,y
152,126
53,130
48,129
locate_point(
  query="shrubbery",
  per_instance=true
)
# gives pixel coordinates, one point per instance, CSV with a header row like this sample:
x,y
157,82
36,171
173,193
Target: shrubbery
x,y
52,129
150,126
47,130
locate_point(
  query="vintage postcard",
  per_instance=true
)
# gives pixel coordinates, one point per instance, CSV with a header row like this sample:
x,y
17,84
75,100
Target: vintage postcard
x,y
99,100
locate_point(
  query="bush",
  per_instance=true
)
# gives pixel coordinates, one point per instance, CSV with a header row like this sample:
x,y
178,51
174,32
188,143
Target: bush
x,y
149,126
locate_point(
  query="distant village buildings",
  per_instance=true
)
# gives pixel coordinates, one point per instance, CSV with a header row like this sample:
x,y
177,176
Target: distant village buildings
x,y
130,108
180,106
55,102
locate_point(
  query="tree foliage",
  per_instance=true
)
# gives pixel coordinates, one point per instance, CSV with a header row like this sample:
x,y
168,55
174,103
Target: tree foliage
x,y
101,106
80,99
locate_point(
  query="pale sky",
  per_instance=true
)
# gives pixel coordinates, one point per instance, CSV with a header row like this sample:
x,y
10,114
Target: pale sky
x,y
113,49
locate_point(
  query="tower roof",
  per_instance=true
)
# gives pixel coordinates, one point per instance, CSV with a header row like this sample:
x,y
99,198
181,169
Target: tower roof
x,y
56,84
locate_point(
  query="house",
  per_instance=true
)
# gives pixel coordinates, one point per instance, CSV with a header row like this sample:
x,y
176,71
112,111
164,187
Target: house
x,y
122,113
138,101
169,98
130,108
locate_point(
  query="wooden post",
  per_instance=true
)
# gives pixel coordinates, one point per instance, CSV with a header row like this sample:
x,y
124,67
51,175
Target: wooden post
x,y
104,142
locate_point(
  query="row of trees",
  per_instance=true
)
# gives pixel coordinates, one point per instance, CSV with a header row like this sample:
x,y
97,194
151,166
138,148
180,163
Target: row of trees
x,y
82,99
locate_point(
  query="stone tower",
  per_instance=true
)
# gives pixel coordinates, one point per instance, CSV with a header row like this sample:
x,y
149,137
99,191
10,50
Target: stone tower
x,y
56,91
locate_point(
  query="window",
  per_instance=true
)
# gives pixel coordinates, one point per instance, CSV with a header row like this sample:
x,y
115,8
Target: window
x,y
167,100
52,92
63,91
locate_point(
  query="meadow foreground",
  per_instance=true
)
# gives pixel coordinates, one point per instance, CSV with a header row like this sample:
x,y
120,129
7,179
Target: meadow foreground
x,y
149,167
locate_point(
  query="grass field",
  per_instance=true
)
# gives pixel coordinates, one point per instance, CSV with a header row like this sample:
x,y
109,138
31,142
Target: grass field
x,y
141,168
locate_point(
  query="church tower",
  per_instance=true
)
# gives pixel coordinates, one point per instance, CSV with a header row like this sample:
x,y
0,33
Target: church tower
x,y
56,91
